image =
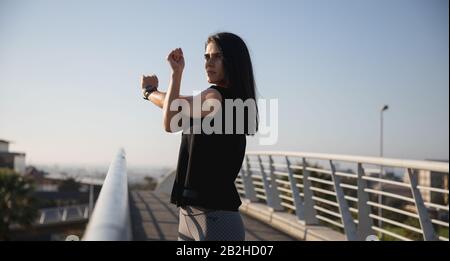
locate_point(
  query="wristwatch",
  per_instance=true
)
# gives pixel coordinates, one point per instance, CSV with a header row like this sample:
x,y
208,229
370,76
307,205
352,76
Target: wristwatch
x,y
148,90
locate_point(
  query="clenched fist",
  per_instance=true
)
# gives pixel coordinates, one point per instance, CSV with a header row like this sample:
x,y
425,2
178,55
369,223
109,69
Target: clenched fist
x,y
149,80
176,60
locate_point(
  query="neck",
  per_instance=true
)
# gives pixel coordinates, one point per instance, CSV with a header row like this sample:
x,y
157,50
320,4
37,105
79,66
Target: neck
x,y
222,84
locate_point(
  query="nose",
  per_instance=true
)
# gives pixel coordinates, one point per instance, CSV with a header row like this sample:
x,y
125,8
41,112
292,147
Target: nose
x,y
209,63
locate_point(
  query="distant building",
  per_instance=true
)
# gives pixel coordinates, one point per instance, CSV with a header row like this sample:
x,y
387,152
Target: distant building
x,y
4,146
11,160
432,179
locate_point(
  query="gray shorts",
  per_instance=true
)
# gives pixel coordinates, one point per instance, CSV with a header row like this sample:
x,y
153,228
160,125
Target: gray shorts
x,y
201,224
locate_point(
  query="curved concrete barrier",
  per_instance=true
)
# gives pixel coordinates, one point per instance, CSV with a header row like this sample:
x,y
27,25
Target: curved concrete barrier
x,y
166,184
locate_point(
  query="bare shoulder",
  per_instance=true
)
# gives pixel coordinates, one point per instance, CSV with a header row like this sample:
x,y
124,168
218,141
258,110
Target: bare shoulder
x,y
212,93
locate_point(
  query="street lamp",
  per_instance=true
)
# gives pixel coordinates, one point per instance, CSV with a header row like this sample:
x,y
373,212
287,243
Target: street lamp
x,y
384,108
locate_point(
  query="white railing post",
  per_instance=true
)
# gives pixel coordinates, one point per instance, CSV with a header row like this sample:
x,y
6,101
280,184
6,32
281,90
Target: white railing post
x,y
273,183
298,203
249,188
64,214
364,221
310,211
86,212
273,200
347,219
427,227
42,218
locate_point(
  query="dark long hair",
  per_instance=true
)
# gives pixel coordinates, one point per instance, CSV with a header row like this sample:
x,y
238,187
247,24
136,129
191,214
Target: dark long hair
x,y
238,68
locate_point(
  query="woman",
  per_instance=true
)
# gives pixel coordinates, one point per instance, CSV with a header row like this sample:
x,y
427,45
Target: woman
x,y
209,163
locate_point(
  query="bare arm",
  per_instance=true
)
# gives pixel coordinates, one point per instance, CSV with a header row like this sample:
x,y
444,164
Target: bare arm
x,y
172,93
164,100
158,98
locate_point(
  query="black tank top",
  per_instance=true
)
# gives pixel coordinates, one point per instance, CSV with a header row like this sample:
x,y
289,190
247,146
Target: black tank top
x,y
208,165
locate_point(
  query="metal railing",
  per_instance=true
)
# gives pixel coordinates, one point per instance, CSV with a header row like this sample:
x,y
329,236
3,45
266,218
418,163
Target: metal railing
x,y
64,214
341,192
110,219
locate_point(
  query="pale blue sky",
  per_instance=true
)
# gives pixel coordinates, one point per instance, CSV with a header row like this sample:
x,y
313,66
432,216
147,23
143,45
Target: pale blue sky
x,y
70,74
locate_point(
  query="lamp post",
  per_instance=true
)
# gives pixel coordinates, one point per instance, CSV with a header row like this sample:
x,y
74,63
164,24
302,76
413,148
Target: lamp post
x,y
380,200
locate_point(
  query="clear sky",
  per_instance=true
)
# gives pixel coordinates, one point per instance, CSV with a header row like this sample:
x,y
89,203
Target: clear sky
x,y
70,74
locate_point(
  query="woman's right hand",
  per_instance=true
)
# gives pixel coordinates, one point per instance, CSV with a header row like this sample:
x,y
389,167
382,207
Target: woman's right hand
x,y
176,60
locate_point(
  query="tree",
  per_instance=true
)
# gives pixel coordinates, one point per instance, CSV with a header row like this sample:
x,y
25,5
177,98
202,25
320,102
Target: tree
x,y
17,206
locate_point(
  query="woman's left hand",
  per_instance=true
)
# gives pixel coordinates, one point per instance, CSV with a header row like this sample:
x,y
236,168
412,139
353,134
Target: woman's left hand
x,y
176,60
